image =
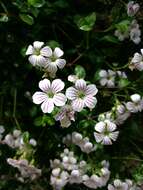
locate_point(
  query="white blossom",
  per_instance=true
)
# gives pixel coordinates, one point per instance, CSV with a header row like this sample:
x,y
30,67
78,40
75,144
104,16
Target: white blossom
x,y
82,95
55,61
135,32
65,116
38,54
105,132
120,185
26,170
107,78
121,35
137,61
132,8
73,78
136,105
50,96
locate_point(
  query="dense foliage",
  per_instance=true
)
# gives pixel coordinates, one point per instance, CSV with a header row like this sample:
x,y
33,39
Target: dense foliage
x,y
102,45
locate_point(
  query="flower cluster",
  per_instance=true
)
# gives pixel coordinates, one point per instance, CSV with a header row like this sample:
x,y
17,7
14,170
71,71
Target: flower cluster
x,y
77,139
137,61
118,184
109,78
132,8
43,56
26,170
15,140
132,31
69,170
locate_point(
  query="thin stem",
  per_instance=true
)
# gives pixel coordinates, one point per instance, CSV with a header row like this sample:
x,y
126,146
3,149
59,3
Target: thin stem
x,y
127,158
4,7
14,109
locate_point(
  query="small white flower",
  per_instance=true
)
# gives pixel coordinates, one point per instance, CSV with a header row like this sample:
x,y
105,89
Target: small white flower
x,y
132,8
73,78
107,78
33,142
65,116
137,61
82,95
50,96
121,35
118,184
136,105
135,32
105,132
38,54
75,177
54,61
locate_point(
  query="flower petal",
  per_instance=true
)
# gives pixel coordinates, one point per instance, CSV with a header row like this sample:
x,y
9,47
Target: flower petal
x,y
114,135
137,58
103,81
60,63
30,50
58,52
80,84
44,85
78,105
59,99
38,45
91,90
51,67
39,97
98,137
37,60
46,51
90,101
57,85
71,93
106,141
100,126
47,106
103,73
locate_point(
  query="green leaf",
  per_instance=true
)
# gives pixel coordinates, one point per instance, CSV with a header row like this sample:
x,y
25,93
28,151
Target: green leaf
x,y
123,83
86,23
25,137
123,25
27,18
38,121
111,39
4,18
36,3
80,71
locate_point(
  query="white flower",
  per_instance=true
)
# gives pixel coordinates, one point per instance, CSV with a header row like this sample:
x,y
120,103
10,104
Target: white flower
x,y
105,132
73,78
137,61
50,96
38,54
82,95
136,105
118,184
132,8
54,61
65,116
121,35
33,142
2,129
107,78
135,32
121,114
75,177
26,170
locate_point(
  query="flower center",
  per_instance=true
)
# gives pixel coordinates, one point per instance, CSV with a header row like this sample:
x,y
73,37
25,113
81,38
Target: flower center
x,y
81,94
50,94
37,52
53,58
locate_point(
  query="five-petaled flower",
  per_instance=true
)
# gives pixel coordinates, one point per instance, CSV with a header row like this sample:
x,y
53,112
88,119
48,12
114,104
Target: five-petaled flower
x,y
54,61
50,96
105,132
38,54
82,95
